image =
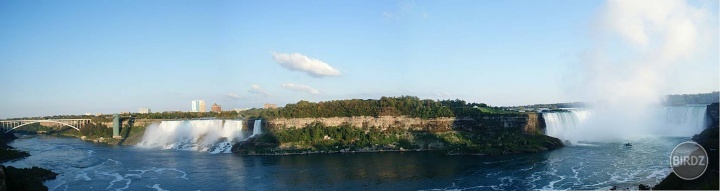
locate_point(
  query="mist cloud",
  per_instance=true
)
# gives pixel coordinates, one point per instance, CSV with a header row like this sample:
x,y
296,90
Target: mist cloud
x,y
301,88
638,45
311,66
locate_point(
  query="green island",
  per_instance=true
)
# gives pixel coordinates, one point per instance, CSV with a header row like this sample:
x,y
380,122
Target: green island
x,y
451,126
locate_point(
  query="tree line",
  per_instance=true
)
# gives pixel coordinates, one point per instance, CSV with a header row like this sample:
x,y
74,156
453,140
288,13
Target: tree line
x,y
410,106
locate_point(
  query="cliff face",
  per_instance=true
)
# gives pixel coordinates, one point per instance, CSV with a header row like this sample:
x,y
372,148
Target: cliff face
x,y
529,123
407,123
534,124
712,111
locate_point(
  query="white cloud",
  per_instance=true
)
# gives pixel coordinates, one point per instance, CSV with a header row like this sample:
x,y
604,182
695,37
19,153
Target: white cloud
x,y
311,66
255,89
301,88
234,96
406,10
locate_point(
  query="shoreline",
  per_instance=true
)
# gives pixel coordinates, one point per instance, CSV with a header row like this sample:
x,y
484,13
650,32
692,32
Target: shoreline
x,y
12,178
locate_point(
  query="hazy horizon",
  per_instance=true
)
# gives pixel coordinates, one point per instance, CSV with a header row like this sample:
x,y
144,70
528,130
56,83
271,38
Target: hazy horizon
x,y
75,57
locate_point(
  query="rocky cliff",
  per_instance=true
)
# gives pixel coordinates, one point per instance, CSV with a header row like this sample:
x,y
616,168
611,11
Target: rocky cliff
x,y
407,123
528,122
712,111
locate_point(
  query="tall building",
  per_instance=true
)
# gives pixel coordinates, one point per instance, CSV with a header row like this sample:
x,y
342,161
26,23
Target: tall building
x,y
215,108
198,106
269,106
143,110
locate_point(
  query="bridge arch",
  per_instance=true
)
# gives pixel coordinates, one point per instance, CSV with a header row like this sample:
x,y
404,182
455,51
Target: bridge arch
x,y
39,121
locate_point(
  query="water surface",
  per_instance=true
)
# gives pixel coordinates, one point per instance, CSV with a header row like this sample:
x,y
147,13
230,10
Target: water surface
x,y
87,166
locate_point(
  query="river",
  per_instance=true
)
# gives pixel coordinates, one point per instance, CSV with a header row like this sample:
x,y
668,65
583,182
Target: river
x,y
88,166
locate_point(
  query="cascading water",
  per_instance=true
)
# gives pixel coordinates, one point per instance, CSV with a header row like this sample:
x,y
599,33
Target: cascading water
x,y
215,136
682,120
257,127
679,121
563,125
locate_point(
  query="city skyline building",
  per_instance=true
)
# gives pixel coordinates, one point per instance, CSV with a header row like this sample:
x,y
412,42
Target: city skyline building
x,y
270,106
198,106
144,110
216,108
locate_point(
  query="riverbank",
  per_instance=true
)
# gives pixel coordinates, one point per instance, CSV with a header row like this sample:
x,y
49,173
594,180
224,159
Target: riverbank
x,y
12,178
96,133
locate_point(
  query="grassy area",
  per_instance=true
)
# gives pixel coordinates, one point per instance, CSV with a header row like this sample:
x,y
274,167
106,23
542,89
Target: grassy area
x,y
490,110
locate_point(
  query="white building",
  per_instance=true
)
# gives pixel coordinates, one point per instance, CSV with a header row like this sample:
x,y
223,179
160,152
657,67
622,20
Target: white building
x,y
198,106
143,110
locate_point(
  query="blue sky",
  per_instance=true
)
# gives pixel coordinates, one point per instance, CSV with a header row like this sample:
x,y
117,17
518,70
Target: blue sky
x,y
72,57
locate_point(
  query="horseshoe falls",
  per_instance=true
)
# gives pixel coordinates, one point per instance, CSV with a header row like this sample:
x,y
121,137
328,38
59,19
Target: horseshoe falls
x,y
672,121
564,125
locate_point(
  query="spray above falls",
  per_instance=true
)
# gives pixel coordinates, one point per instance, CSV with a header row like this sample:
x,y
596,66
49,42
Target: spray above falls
x,y
215,136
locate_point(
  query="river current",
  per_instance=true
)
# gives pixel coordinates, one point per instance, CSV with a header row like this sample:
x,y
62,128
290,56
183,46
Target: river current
x,y
587,165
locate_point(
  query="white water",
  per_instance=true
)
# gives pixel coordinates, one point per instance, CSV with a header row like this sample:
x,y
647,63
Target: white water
x,y
565,125
213,136
257,127
680,121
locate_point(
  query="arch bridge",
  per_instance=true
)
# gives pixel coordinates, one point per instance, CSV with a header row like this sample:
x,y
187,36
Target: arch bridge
x,y
9,125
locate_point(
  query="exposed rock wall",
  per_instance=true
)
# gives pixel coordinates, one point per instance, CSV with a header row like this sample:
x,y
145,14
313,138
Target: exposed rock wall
x,y
533,123
529,122
712,111
439,124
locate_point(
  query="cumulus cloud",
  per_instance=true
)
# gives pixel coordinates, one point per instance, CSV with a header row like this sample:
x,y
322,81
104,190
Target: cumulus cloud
x,y
301,88
234,96
311,66
255,89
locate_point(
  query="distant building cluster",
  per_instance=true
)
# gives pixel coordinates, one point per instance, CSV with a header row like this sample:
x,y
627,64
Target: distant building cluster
x,y
269,106
198,106
144,110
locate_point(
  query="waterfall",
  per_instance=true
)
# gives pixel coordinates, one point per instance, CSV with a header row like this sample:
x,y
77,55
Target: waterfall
x,y
682,120
213,136
564,124
574,124
257,127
